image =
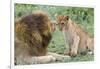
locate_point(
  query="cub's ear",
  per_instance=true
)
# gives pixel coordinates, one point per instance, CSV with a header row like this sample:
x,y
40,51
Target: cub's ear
x,y
67,17
58,16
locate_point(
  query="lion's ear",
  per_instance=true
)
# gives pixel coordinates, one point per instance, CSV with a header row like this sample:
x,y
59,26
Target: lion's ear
x,y
67,17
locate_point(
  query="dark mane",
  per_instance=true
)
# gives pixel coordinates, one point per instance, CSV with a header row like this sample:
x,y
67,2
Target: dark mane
x,y
34,30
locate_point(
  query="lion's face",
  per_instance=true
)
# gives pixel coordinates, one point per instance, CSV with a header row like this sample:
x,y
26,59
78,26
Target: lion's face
x,y
62,21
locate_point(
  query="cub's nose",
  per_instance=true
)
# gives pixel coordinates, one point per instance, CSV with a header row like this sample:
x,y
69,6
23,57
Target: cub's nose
x,y
62,23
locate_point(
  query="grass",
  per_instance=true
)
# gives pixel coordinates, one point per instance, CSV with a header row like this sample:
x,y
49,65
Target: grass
x,y
57,44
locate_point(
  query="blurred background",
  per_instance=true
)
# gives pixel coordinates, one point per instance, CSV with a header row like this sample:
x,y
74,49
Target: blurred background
x,y
84,17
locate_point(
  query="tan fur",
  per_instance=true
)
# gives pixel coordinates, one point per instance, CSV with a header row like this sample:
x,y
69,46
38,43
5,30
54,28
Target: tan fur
x,y
78,40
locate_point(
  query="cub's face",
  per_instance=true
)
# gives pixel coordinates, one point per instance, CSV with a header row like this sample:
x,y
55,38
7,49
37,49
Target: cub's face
x,y
62,21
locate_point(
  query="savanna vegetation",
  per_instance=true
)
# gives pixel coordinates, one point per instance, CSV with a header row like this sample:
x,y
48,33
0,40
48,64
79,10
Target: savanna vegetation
x,y
81,15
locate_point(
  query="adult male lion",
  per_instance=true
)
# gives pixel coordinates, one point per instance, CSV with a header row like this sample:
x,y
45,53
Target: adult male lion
x,y
78,40
32,36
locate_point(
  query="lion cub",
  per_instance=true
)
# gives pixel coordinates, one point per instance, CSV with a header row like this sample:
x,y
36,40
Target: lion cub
x,y
78,40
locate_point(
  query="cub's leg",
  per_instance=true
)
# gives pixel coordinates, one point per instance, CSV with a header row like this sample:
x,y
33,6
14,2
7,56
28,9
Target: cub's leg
x,y
74,46
68,43
83,48
90,46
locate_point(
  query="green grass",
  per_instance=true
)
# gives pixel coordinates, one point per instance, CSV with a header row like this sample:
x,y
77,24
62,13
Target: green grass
x,y
57,43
